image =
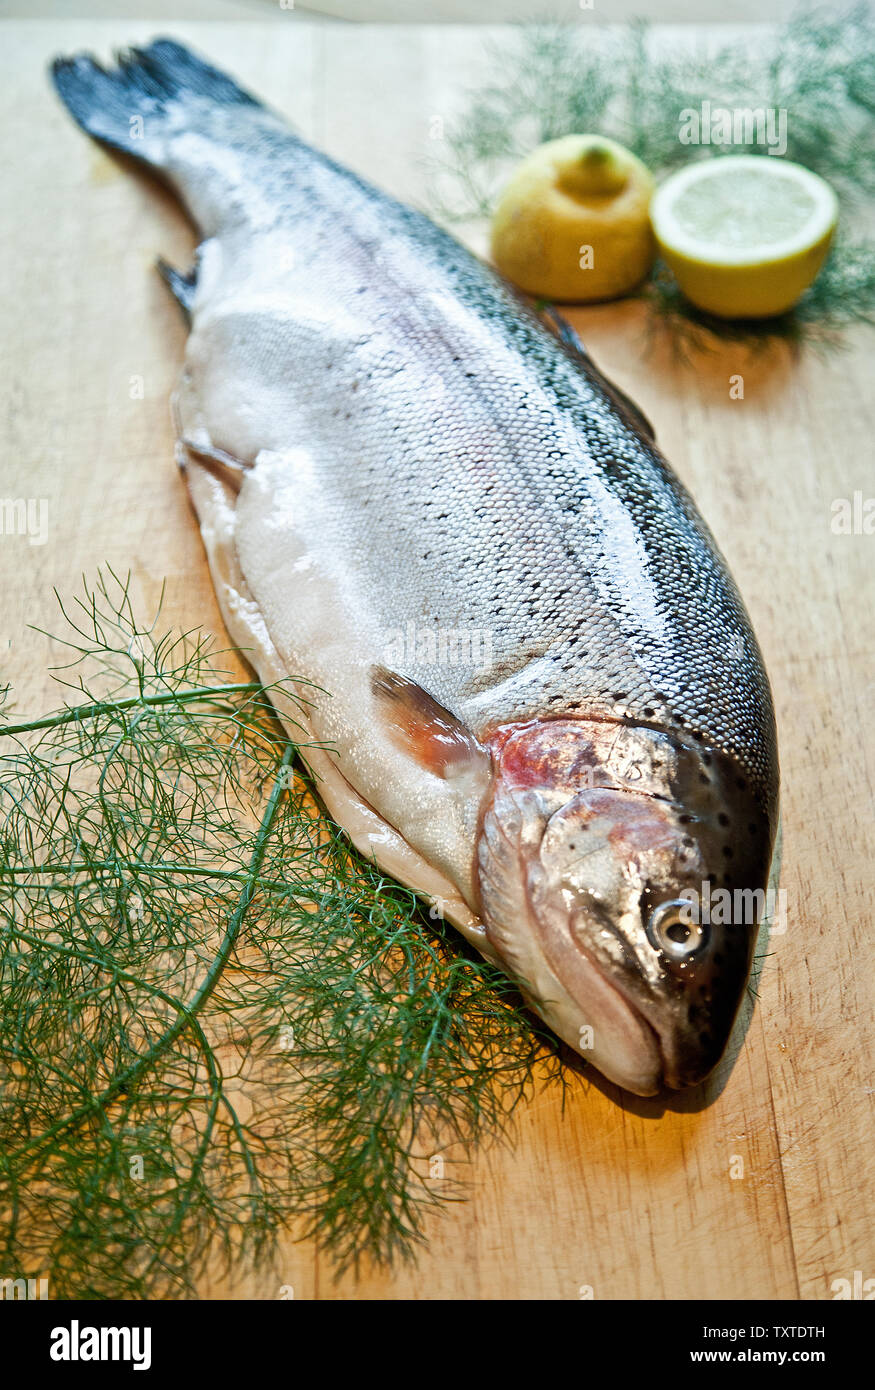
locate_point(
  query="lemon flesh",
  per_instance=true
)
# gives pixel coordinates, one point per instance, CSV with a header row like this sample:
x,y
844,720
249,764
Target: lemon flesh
x,y
745,235
573,222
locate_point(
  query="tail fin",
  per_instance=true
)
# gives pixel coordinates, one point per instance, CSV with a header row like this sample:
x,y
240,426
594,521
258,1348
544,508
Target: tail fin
x,y
127,107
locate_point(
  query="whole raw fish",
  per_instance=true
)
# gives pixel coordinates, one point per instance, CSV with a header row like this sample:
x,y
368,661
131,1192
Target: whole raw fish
x,y
547,709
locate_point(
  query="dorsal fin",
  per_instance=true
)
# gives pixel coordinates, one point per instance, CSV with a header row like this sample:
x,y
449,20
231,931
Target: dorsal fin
x,y
575,346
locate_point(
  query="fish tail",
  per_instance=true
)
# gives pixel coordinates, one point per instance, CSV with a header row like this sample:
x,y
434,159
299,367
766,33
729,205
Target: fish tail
x,y
130,107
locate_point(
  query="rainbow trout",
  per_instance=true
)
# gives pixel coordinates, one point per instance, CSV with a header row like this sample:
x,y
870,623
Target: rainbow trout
x,y
545,707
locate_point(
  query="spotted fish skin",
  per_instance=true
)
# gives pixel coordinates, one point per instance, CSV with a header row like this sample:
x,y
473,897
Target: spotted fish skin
x,y
421,456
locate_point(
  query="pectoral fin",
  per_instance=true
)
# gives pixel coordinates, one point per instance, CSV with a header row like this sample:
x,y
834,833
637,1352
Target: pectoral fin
x,y
182,287
576,347
423,729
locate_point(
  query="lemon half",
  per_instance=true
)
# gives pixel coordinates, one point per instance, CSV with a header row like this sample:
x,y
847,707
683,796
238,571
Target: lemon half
x,y
744,234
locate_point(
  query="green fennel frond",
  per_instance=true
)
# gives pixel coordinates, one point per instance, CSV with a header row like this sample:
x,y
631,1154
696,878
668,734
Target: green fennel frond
x,y
219,1022
632,84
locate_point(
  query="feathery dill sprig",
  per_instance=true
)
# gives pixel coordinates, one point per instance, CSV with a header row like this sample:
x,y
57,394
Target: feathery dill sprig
x,y
554,80
219,1022
842,294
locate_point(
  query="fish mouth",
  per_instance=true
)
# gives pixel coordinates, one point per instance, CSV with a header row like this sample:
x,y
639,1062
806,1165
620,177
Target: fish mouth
x,y
581,1002
679,1069
528,920
637,1062
599,1017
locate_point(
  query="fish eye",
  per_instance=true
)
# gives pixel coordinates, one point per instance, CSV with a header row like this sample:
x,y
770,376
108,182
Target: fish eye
x,y
672,929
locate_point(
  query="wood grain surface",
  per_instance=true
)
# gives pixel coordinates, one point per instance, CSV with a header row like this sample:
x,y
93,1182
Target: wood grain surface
x,y
626,1197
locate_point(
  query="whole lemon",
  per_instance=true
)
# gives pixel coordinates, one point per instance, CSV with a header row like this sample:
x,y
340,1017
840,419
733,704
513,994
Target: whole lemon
x,y
573,222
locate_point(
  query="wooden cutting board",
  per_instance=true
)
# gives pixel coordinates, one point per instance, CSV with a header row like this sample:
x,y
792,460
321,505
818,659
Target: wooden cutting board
x,y
625,1197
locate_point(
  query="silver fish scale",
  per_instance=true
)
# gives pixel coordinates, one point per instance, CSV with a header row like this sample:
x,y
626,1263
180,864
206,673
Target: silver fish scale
x,y
499,487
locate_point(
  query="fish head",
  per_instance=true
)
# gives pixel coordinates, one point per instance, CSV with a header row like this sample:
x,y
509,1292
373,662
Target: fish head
x,y
622,873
